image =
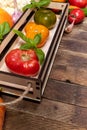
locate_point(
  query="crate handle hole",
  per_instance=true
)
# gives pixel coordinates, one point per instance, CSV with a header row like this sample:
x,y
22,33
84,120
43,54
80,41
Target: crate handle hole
x,y
31,92
37,83
37,87
37,98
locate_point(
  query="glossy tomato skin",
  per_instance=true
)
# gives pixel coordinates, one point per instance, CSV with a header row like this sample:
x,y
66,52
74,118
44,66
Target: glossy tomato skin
x,y
77,15
45,17
78,3
22,62
31,29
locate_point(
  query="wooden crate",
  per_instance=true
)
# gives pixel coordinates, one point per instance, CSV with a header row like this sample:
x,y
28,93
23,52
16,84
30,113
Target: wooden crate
x,y
13,84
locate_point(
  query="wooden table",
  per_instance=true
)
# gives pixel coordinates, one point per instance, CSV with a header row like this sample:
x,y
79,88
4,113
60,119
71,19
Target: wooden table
x,y
64,103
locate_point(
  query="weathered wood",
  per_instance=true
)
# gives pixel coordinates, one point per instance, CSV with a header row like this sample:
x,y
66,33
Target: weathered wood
x,y
66,92
70,66
33,115
71,60
27,121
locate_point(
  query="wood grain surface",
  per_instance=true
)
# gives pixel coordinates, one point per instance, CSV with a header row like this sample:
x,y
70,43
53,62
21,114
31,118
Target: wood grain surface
x,y
64,103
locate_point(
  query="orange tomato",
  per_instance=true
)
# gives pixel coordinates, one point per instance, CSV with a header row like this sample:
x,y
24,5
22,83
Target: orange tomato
x,y
5,17
31,29
59,1
73,7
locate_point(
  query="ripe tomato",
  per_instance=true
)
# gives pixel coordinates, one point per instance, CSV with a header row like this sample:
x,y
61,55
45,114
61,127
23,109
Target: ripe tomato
x,y
5,17
59,1
45,17
23,62
31,29
79,3
77,15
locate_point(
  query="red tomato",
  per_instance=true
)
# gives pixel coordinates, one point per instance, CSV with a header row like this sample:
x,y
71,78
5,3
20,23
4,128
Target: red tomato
x,y
78,3
77,15
23,62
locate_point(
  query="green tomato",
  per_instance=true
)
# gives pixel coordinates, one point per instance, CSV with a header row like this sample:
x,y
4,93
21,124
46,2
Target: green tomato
x,y
45,17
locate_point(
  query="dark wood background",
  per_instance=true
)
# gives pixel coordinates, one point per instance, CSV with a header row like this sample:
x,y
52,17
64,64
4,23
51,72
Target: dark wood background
x,y
64,103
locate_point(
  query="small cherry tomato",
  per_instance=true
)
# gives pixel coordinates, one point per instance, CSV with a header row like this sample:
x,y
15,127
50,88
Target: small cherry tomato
x,y
79,3
22,62
76,15
45,17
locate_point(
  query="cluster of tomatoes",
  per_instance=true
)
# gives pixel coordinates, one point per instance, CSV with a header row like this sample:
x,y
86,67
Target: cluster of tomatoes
x,y
26,62
78,11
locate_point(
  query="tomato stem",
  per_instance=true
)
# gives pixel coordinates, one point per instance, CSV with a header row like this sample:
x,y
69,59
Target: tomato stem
x,y
25,57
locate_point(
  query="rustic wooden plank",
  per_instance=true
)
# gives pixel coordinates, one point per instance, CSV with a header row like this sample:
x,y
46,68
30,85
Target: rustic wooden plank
x,y
74,45
48,110
71,62
16,120
71,68
80,35
66,93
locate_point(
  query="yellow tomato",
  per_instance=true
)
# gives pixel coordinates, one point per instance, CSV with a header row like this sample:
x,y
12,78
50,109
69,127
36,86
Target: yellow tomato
x,y
59,1
31,29
73,7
